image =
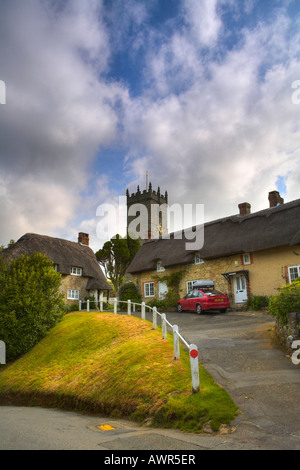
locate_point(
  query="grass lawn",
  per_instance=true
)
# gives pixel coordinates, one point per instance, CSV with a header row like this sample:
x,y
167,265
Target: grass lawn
x,y
117,366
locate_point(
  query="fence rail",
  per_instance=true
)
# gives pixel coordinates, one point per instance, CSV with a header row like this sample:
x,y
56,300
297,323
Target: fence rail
x,y
192,348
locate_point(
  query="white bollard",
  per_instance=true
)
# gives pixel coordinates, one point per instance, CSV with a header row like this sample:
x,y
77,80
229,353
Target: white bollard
x,y
88,306
115,305
79,305
176,342
143,311
129,307
193,351
101,305
164,326
2,352
154,318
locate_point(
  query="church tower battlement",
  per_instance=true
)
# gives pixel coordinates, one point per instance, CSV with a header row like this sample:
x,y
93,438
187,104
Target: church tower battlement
x,y
155,206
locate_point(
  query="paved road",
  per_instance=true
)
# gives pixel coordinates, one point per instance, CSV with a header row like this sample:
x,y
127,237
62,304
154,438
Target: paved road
x,y
237,349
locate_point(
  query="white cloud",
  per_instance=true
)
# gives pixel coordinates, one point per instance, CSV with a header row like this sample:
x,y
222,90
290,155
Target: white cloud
x,y
230,134
204,21
212,125
59,110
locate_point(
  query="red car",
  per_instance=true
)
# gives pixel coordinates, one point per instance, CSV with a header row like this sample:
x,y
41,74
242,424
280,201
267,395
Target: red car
x,y
203,297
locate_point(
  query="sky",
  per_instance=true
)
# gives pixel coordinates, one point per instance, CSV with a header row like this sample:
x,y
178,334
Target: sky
x,y
199,93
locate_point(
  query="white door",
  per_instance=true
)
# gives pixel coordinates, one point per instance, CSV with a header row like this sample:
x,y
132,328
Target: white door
x,y
162,289
240,289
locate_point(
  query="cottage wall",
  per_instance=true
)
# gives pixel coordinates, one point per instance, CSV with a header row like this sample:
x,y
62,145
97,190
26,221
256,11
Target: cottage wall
x,y
76,283
268,271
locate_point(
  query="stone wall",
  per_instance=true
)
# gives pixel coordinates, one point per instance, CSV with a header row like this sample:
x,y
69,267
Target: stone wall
x,y
290,332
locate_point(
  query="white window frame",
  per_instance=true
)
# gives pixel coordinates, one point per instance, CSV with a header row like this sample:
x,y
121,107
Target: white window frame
x,y
189,285
159,266
292,275
198,260
246,259
74,271
73,294
149,289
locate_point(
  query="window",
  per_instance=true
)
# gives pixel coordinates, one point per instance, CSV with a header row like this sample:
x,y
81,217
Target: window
x,y
198,260
55,267
189,286
294,272
76,271
246,258
73,294
149,289
197,293
159,266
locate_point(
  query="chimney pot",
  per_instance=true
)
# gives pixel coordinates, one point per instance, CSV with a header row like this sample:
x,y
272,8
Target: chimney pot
x,y
83,238
275,199
245,208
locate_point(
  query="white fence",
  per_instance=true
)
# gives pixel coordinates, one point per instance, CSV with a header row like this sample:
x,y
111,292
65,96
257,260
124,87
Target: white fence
x,y
192,348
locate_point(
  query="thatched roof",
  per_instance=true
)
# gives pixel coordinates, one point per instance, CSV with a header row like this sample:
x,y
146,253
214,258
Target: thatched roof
x,y
64,253
269,228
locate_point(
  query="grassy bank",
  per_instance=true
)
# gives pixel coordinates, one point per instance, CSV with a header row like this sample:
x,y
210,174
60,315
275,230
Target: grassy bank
x,y
118,366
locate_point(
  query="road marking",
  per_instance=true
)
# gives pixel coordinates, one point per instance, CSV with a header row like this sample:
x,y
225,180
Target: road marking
x,y
106,427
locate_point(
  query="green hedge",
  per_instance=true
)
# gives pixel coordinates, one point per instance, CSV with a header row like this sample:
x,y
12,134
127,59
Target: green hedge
x,y
287,301
257,302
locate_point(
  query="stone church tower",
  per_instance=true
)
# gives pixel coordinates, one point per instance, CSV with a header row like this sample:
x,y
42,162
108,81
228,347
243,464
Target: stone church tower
x,y
147,213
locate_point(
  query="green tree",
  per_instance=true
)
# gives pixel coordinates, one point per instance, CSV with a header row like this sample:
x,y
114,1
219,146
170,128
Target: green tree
x,y
115,257
30,302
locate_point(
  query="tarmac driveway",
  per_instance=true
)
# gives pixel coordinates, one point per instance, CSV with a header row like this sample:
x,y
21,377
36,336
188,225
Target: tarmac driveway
x,y
239,351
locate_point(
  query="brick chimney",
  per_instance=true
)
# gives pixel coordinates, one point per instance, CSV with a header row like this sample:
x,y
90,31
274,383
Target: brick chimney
x,y
83,238
275,199
245,208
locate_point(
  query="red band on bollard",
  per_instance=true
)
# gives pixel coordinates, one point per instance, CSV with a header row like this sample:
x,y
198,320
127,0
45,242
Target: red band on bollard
x,y
194,353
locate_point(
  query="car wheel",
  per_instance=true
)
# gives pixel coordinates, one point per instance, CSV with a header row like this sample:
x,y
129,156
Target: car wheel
x,y
223,310
198,309
179,308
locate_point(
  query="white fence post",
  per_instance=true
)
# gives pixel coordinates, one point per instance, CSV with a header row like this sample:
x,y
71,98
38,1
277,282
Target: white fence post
x,y
134,307
164,326
176,342
79,305
115,305
88,306
154,318
2,352
129,307
193,351
101,305
143,311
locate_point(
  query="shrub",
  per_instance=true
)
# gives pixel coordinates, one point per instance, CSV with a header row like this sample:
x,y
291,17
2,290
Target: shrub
x,y
257,302
129,291
169,302
287,301
30,302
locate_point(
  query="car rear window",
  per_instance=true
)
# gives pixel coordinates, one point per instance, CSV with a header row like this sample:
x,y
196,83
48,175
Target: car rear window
x,y
211,292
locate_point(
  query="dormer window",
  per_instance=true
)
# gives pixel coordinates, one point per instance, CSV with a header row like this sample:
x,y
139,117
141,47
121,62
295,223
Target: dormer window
x,y
198,259
76,271
159,266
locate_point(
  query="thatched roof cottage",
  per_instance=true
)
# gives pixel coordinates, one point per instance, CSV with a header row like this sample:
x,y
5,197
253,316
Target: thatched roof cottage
x,y
247,253
77,263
